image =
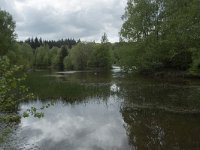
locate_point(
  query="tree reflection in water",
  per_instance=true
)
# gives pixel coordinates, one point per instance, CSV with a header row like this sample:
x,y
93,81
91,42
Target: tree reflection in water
x,y
154,129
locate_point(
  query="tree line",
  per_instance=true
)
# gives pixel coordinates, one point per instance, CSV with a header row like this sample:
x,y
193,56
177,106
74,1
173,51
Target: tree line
x,y
82,56
37,42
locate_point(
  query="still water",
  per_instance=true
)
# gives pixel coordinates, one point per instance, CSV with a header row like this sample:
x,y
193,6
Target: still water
x,y
109,111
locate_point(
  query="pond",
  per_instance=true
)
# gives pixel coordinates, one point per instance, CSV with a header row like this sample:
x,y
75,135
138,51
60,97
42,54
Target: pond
x,y
109,111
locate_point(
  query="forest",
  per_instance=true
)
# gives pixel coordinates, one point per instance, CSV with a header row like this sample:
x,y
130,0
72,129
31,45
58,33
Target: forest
x,y
157,38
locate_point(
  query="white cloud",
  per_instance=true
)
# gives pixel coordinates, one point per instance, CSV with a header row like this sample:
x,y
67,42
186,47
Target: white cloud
x,y
51,19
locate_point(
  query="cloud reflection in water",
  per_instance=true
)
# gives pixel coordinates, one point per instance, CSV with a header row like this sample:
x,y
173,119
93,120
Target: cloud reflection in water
x,y
93,125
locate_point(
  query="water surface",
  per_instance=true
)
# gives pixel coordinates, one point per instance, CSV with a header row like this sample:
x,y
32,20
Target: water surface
x,y
109,111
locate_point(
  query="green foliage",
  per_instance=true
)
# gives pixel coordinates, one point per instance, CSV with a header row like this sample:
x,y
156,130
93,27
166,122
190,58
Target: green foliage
x,y
128,55
162,33
62,54
34,112
54,57
104,38
42,56
7,36
103,56
80,56
12,92
22,55
68,62
10,118
88,55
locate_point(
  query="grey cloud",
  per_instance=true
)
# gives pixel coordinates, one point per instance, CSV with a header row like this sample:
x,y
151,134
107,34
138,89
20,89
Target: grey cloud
x,y
87,23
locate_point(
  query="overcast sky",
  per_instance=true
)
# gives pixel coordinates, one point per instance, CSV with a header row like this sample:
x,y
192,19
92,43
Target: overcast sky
x,y
56,19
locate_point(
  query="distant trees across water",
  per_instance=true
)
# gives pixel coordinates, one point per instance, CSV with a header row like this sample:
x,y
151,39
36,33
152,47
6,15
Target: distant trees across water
x,y
37,42
63,54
